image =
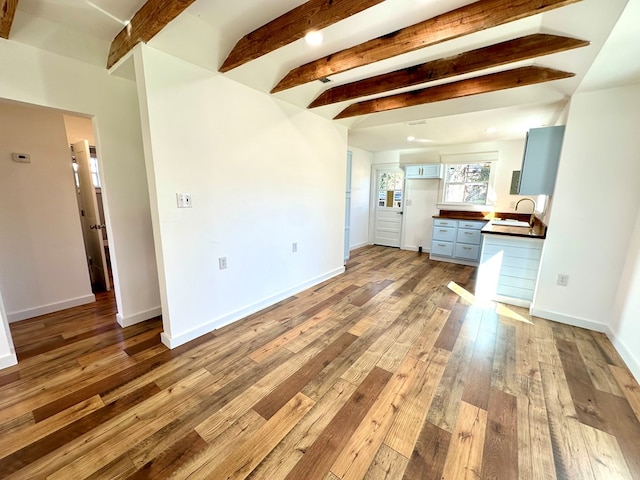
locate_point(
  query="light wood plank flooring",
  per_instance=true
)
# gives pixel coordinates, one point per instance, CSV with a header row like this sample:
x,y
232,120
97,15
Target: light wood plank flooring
x,y
389,371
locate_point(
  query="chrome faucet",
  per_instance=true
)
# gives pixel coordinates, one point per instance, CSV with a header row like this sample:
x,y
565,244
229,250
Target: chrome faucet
x,y
532,218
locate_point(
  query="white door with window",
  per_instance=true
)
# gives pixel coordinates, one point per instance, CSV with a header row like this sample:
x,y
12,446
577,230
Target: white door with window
x,y
389,207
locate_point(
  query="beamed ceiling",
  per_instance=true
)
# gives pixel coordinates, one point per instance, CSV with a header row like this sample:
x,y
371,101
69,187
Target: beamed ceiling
x,y
404,64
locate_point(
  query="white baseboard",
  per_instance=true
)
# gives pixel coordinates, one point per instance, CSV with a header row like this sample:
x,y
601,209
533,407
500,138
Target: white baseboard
x,y
570,320
359,245
138,317
8,360
49,308
633,364
176,341
629,358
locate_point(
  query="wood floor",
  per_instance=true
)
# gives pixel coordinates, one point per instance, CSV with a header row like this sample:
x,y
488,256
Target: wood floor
x,y
382,373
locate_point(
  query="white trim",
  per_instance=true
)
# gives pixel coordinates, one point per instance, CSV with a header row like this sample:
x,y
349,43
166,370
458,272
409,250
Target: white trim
x,y
359,245
633,364
173,342
50,308
569,320
8,360
459,261
470,157
138,317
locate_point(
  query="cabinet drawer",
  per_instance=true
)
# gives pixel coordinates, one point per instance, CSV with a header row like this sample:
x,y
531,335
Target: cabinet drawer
x,y
470,252
468,236
444,249
471,224
444,233
444,223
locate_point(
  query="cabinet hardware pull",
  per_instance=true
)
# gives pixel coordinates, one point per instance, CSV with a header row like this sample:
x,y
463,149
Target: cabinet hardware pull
x,y
466,248
468,233
443,231
441,245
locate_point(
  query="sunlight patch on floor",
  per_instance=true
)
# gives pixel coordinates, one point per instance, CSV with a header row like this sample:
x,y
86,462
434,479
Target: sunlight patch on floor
x,y
499,308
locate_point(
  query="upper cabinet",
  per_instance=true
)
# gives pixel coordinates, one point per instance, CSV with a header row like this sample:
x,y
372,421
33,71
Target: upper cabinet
x,y
429,170
540,162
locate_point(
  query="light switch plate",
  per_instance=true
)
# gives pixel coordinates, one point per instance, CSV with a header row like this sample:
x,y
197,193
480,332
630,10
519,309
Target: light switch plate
x,y
184,200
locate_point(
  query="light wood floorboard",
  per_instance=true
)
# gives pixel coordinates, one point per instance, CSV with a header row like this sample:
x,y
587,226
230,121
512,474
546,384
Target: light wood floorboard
x,y
386,372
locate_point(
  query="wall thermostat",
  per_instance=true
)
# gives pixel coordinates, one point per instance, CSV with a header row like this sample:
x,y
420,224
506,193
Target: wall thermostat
x,y
21,157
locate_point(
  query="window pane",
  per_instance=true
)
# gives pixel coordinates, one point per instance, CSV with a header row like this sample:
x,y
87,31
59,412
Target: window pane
x,y
475,193
454,193
399,178
456,173
478,172
384,182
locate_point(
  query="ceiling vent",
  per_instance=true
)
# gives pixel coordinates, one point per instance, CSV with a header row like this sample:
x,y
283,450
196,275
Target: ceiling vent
x,y
417,122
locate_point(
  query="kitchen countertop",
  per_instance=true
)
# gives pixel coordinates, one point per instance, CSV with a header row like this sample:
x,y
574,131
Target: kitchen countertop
x,y
539,229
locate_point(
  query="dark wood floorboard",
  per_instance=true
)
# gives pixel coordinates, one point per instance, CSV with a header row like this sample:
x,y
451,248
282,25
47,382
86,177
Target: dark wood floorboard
x,y
384,372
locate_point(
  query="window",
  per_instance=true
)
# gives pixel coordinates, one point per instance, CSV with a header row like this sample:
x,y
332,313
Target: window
x,y
93,165
467,183
390,186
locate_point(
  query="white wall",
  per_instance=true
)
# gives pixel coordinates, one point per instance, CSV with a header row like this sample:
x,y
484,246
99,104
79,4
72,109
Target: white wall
x,y
35,76
360,197
625,325
262,174
40,236
79,129
594,214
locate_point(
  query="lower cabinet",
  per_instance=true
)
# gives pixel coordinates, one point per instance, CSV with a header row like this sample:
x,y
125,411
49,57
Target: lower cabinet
x,y
456,241
509,269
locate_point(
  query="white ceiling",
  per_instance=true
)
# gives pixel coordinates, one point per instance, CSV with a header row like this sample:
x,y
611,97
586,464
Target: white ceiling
x,y
206,32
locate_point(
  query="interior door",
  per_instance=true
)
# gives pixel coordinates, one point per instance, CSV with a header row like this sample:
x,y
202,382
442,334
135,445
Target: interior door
x,y
91,218
347,208
389,207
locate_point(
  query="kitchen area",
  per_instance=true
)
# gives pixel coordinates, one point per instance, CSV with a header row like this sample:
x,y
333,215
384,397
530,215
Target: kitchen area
x,y
490,210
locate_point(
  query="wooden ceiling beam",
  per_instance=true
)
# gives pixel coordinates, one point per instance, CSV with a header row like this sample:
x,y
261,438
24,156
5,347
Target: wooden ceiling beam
x,y
7,13
152,17
523,48
471,18
517,77
292,26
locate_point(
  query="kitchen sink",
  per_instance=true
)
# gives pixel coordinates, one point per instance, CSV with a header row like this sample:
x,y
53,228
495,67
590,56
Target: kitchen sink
x,y
510,223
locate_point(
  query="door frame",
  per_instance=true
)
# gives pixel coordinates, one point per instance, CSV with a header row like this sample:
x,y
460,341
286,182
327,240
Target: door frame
x,y
373,200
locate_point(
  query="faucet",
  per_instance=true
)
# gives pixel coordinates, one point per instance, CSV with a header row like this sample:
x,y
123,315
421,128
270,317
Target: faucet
x,y
532,218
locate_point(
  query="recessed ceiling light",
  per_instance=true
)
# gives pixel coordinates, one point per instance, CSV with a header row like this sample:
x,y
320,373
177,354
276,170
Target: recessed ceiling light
x,y
491,130
411,138
313,38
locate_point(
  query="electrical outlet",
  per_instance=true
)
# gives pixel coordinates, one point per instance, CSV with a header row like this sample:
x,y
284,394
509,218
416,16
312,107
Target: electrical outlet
x,y
563,279
184,200
222,263
294,247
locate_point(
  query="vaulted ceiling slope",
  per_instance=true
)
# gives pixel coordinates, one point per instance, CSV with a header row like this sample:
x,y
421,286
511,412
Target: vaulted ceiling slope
x,y
446,42
464,20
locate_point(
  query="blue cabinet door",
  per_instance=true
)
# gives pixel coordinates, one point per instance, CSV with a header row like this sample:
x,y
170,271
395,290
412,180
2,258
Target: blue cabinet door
x,y
540,162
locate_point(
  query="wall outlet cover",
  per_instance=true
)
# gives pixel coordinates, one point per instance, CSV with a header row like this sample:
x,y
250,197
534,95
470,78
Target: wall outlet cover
x,y
184,200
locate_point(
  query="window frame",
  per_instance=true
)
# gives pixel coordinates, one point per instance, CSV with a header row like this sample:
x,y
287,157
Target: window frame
x,y
469,159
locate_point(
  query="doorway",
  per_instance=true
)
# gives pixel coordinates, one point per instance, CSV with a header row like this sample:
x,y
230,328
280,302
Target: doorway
x,y
388,207
91,211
